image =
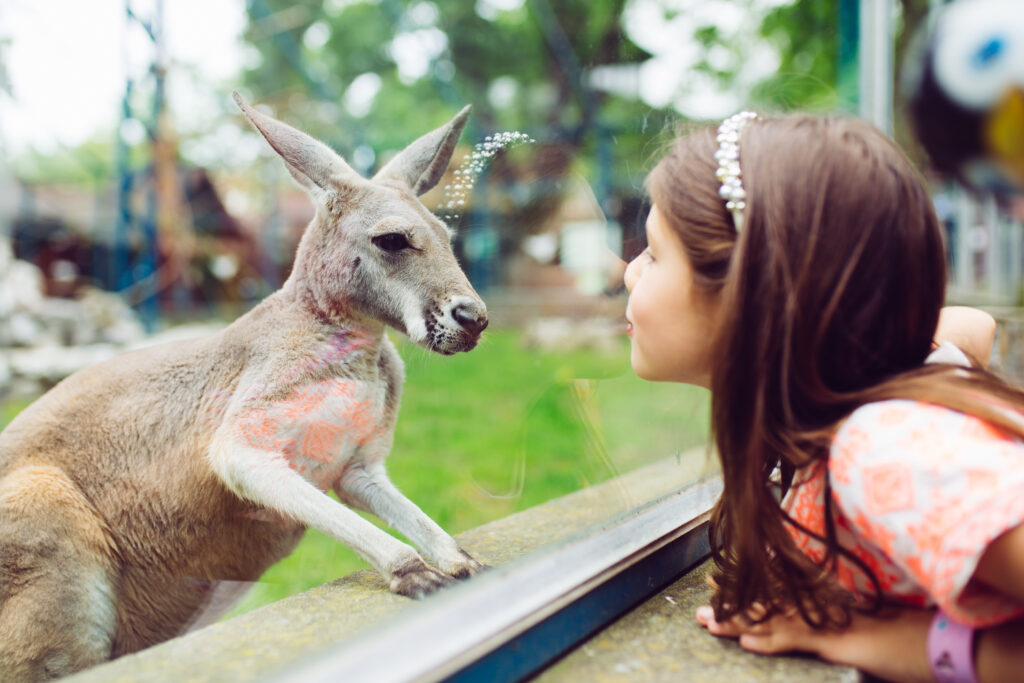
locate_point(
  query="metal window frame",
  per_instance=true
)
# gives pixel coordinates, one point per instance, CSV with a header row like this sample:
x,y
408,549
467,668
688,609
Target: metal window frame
x,y
513,620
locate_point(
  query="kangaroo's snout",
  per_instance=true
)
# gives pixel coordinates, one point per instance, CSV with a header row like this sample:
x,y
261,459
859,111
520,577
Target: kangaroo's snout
x,y
471,315
454,326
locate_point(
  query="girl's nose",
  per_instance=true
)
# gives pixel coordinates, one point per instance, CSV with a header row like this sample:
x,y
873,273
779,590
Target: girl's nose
x,y
632,274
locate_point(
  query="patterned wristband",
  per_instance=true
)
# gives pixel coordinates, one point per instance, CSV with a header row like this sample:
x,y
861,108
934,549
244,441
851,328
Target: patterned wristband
x,y
951,650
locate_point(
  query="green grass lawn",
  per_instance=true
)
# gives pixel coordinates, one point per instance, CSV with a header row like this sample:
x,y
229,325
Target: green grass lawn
x,y
11,407
488,433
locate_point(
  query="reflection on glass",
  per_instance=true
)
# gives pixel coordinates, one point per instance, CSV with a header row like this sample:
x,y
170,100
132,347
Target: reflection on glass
x,y
170,213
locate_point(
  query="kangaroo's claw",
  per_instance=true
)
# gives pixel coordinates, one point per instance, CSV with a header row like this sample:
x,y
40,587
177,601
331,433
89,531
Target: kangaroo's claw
x,y
467,567
417,579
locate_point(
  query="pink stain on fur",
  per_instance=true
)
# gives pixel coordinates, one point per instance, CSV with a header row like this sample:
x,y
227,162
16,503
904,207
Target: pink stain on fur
x,y
314,428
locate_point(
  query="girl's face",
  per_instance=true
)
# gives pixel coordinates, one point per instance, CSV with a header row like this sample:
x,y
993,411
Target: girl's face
x,y
670,320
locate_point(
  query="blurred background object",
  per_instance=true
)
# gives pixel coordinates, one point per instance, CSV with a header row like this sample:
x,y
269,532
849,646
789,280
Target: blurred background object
x,y
965,84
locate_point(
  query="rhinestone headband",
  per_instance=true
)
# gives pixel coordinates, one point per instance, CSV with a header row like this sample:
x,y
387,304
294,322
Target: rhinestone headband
x,y
728,158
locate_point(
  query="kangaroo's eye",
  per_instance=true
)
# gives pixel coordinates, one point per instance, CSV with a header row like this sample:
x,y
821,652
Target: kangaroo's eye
x,y
392,241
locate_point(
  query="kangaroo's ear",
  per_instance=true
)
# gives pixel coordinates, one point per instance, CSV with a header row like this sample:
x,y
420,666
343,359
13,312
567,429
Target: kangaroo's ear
x,y
422,163
314,165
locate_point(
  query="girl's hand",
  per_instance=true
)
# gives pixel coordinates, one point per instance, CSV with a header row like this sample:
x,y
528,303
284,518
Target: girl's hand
x,y
779,634
890,647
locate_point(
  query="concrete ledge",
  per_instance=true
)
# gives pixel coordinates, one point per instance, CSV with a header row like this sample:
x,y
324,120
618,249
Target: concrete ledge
x,y
270,640
661,641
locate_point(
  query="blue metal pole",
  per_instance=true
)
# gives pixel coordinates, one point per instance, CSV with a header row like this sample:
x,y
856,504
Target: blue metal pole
x,y
120,276
150,250
849,46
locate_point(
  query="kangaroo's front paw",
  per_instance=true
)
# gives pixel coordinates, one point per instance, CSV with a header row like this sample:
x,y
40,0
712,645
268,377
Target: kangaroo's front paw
x,y
416,579
464,567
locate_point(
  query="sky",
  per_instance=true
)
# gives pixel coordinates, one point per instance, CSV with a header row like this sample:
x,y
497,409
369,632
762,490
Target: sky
x,y
68,60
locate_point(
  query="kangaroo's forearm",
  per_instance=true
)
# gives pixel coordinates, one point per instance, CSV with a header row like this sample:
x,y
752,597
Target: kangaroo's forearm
x,y
369,489
267,479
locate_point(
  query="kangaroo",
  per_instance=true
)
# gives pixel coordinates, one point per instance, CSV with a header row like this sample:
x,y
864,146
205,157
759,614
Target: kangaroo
x,y
134,486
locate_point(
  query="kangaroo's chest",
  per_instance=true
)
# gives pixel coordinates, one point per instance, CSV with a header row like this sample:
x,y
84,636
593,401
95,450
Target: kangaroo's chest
x,y
320,427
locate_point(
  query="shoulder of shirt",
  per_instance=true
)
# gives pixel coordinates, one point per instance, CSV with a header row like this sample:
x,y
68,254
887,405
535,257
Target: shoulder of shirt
x,y
870,414
883,423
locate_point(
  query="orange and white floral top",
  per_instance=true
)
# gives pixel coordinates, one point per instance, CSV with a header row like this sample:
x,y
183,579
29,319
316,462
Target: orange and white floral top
x,y
919,491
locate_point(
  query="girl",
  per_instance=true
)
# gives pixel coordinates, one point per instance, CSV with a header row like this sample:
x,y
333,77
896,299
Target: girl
x,y
795,267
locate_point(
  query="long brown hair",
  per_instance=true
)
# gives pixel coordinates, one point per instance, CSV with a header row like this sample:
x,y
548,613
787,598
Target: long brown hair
x,y
827,300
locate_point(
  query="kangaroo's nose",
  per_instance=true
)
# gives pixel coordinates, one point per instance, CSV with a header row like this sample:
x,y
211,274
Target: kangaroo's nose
x,y
472,317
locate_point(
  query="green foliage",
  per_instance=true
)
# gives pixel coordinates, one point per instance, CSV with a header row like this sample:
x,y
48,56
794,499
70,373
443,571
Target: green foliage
x,y
533,44
806,35
541,55
538,55
90,164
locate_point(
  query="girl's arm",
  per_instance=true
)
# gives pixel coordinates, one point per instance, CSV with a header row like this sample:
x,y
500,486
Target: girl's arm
x,y
972,330
894,646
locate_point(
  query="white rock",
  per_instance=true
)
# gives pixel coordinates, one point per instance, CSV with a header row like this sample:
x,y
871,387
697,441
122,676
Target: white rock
x,y
53,363
6,254
23,329
43,340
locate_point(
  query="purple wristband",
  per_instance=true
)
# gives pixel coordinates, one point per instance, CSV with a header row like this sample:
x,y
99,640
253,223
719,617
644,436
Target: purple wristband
x,y
951,650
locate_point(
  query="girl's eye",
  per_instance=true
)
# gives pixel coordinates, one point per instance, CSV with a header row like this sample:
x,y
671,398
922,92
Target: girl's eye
x,y
392,242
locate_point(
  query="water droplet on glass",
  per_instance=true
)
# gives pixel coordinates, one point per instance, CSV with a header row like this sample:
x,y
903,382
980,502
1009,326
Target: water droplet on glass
x,y
456,194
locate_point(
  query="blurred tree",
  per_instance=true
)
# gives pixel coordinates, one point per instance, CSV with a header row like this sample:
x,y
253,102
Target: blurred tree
x,y
370,76
807,37
90,164
397,63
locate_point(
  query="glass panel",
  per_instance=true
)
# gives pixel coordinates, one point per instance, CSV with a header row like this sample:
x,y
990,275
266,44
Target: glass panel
x,y
141,206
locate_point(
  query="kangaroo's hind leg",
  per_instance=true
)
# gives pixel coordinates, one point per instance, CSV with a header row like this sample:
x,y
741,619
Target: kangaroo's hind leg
x,y
57,604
